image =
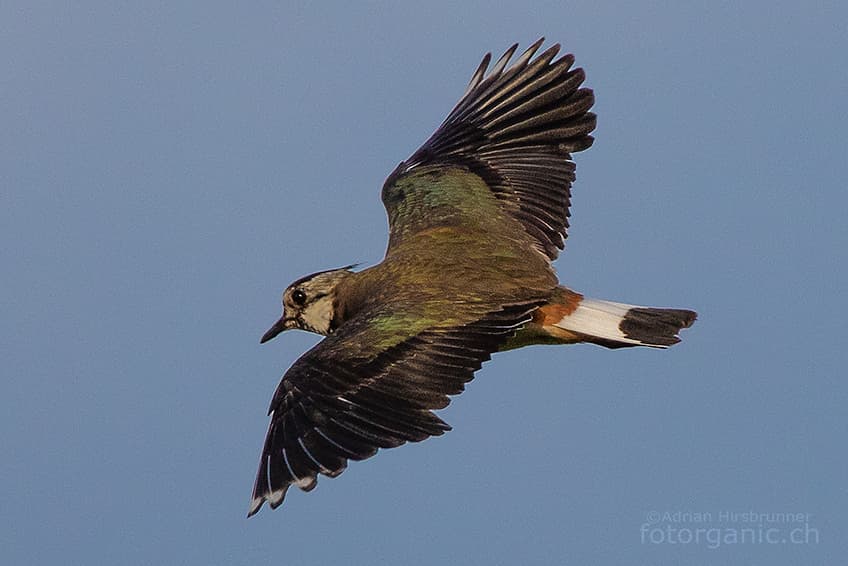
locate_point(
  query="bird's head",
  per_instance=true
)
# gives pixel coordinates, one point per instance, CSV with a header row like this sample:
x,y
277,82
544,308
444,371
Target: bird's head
x,y
309,303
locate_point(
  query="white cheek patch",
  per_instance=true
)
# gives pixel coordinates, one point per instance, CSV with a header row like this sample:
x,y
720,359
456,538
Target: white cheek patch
x,y
318,315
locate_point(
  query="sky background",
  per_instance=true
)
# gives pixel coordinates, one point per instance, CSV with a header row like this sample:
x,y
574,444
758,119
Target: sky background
x,y
166,170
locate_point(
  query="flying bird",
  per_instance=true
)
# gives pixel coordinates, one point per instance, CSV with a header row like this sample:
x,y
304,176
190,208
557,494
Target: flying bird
x,y
476,217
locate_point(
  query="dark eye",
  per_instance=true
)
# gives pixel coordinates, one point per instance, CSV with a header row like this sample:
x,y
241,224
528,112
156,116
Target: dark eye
x,y
299,297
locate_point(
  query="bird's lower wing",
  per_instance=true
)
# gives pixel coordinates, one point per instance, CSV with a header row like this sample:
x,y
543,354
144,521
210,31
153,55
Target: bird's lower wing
x,y
335,404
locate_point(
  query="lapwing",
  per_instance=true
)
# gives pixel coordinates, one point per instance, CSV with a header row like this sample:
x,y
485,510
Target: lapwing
x,y
476,217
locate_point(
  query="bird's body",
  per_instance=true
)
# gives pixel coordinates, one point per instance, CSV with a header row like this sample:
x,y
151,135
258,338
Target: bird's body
x,y
476,216
420,275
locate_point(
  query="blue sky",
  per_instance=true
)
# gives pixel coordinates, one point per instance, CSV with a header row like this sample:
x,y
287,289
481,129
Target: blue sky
x,y
166,171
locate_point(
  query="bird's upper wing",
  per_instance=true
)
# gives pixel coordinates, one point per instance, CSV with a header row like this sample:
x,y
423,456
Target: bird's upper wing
x,y
515,128
366,388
